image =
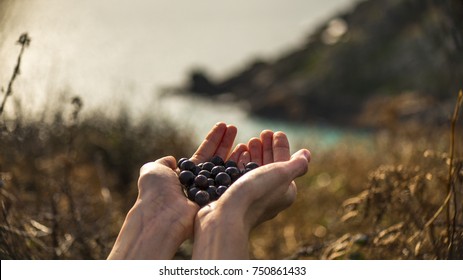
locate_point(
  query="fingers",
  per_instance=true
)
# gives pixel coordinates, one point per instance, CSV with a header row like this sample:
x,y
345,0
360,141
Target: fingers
x,y
255,150
220,139
210,143
266,137
271,147
272,186
239,149
244,158
281,173
280,147
226,143
287,171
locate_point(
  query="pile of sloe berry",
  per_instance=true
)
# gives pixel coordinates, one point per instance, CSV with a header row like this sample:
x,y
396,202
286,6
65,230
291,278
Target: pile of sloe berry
x,y
207,181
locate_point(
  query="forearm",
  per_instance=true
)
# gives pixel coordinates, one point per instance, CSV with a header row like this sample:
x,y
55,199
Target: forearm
x,y
218,237
147,238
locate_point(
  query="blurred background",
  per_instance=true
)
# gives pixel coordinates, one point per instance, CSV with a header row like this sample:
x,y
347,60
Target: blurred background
x,y
97,88
109,53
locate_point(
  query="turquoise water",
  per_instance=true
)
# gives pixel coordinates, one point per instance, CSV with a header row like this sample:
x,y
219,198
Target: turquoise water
x,y
200,114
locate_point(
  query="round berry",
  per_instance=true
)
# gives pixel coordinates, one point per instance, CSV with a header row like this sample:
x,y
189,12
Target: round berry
x,y
202,198
212,191
208,166
216,170
187,165
196,170
211,181
230,163
186,178
233,172
179,162
251,165
217,160
192,193
201,182
223,179
221,190
205,173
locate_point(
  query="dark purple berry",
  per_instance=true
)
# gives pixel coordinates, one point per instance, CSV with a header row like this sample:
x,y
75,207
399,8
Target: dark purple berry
x,y
188,165
233,172
192,193
211,181
216,170
230,163
208,166
186,178
217,160
251,165
223,179
196,170
207,181
212,191
179,162
221,190
202,198
201,182
205,173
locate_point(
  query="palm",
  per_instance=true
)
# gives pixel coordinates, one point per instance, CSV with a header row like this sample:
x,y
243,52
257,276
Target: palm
x,y
219,142
269,149
175,195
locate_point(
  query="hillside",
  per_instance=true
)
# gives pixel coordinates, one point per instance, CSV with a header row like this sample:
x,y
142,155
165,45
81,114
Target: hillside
x,y
361,64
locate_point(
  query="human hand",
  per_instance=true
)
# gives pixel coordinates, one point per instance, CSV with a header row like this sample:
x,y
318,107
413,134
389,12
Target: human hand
x,y
222,228
162,217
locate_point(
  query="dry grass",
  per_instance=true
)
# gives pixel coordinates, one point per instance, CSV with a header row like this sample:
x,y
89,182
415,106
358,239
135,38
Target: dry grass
x,y
67,185
396,197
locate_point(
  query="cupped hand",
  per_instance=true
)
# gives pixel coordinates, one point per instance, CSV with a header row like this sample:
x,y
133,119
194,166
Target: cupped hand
x,y
271,189
160,189
257,196
162,216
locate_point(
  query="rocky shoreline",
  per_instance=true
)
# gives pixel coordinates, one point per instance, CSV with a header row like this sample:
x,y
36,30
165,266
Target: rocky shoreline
x,y
403,58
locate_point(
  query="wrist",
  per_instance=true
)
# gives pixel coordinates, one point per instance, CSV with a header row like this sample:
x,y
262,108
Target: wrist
x,y
220,234
146,236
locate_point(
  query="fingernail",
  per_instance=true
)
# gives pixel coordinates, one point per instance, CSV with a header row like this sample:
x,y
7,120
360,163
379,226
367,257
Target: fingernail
x,y
307,154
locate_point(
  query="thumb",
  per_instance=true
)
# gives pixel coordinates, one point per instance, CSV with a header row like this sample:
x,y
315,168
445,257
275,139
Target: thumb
x,y
285,171
151,167
168,161
298,165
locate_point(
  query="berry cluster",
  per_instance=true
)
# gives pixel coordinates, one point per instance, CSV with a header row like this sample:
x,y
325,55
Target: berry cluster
x,y
207,181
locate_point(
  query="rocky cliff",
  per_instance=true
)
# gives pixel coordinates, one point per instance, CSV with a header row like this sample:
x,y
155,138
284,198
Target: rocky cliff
x,y
378,50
